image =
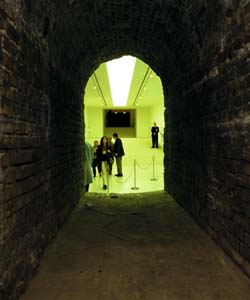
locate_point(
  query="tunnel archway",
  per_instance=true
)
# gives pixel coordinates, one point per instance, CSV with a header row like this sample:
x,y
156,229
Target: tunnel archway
x,y
142,166
200,51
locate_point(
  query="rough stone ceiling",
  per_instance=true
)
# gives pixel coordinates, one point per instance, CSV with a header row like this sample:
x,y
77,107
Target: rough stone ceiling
x,y
158,32
84,34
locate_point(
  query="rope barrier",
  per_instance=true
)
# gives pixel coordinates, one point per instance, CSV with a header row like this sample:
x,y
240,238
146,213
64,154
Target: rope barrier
x,y
126,179
159,163
144,168
153,162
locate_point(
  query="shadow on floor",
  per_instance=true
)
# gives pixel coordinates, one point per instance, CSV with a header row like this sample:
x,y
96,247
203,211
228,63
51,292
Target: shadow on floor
x,y
135,246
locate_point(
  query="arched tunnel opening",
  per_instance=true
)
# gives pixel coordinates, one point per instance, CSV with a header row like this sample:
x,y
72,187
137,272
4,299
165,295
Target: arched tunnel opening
x,y
199,49
142,164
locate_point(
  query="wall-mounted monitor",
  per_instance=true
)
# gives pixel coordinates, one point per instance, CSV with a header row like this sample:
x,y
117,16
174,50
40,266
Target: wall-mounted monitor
x,y
119,117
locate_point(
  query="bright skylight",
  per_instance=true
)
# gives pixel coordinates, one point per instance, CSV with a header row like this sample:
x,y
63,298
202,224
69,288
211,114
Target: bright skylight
x,y
120,73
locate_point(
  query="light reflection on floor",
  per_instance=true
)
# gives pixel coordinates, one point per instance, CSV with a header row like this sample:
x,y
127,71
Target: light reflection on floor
x,y
142,169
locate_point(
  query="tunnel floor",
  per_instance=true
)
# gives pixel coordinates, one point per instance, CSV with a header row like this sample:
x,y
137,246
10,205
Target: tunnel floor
x,y
135,246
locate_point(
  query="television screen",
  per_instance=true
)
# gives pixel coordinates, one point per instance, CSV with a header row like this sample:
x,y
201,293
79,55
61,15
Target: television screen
x,y
118,118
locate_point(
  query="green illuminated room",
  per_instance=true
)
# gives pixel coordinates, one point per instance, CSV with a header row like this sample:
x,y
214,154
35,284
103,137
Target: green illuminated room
x,y
143,105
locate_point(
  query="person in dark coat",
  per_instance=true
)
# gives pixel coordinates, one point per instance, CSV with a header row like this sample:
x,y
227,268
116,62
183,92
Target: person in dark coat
x,y
111,156
154,135
118,153
96,163
103,153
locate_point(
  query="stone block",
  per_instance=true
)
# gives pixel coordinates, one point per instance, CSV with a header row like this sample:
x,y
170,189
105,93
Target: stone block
x,y
12,33
9,47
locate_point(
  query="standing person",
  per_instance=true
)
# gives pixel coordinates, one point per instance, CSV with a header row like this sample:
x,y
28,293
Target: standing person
x,y
103,154
111,156
119,153
88,164
154,135
95,159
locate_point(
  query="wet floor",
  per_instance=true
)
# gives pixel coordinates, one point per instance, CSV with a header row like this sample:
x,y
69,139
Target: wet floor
x,y
135,246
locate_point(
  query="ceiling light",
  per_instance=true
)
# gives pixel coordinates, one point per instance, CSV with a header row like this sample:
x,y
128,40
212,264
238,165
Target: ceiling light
x,y
120,73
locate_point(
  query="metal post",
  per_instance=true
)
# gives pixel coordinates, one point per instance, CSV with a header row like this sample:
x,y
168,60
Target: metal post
x,y
107,176
134,187
153,179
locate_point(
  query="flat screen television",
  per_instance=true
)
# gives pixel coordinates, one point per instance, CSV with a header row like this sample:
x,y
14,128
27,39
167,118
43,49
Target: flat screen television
x,y
119,118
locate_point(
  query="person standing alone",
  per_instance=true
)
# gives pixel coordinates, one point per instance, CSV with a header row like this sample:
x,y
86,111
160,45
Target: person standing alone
x,y
119,153
154,135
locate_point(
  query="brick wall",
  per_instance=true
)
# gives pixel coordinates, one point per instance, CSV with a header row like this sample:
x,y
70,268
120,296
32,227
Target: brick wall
x,y
48,50
27,218
40,149
207,161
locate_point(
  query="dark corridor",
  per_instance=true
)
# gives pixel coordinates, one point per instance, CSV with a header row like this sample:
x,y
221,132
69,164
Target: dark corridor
x,y
49,49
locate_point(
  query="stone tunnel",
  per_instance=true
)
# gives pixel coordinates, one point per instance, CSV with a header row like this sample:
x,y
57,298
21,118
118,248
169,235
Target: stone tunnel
x,y
201,51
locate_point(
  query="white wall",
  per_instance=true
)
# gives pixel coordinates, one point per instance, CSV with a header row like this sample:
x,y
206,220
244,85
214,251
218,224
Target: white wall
x,y
143,122
157,115
93,121
145,118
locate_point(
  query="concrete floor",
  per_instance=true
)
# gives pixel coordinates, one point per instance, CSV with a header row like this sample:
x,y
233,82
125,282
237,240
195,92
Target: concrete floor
x,y
135,246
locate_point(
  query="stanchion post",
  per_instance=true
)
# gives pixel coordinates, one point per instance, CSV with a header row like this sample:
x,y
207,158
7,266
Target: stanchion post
x,y
134,187
107,174
153,179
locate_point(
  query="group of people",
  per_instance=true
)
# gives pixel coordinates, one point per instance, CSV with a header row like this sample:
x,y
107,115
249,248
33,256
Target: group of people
x,y
101,156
